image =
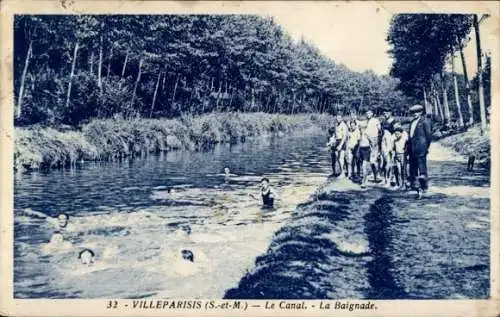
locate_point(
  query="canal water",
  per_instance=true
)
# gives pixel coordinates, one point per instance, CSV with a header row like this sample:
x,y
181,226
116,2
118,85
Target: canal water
x,y
126,213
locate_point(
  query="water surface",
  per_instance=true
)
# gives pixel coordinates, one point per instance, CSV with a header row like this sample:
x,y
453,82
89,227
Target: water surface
x,y
124,213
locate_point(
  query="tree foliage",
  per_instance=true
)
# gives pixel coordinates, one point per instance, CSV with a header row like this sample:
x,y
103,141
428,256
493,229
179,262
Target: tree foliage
x,y
421,44
167,66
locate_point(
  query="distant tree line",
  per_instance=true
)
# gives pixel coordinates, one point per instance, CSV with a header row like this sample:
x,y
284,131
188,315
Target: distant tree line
x,y
425,50
69,69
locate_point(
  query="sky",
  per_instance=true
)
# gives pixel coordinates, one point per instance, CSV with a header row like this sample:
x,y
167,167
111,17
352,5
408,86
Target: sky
x,y
354,34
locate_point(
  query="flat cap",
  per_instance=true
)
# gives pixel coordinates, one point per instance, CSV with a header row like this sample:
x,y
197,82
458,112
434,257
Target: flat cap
x,y
417,108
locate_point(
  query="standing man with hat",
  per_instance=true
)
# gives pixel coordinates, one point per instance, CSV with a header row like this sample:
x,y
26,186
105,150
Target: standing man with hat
x,y
420,137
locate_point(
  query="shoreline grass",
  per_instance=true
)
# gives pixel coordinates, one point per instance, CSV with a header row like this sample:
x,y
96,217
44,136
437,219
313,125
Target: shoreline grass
x,y
113,139
471,142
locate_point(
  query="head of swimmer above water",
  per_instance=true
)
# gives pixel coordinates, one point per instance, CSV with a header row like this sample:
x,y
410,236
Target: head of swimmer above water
x,y
86,256
171,190
184,231
62,220
227,171
187,255
56,237
264,183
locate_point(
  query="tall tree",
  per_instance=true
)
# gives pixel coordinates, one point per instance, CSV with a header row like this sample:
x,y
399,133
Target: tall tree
x,y
480,74
457,95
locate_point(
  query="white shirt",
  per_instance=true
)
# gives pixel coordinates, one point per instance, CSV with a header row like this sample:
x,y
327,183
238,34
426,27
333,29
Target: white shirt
x,y
399,144
341,131
373,127
413,126
363,139
353,138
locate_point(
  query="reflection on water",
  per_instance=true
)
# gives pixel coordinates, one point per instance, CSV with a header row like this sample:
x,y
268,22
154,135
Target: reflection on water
x,y
128,214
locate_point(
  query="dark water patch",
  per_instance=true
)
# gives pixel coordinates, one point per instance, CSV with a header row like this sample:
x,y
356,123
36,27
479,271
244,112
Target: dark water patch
x,y
115,231
478,267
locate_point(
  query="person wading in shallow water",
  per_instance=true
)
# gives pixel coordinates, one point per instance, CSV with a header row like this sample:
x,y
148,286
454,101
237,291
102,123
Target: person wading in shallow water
x,y
420,137
267,193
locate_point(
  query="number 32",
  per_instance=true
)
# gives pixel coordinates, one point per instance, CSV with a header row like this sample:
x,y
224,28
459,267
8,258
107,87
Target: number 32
x,y
112,304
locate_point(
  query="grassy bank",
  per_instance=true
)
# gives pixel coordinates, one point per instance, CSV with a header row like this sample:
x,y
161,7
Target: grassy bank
x,y
471,142
109,139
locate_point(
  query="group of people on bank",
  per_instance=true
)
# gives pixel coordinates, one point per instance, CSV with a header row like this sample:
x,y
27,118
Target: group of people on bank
x,y
393,154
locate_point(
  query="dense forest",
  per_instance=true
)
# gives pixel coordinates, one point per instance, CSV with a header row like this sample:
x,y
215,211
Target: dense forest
x,y
69,69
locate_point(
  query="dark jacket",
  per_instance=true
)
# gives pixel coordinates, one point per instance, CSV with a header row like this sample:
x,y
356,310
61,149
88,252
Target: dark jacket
x,y
418,144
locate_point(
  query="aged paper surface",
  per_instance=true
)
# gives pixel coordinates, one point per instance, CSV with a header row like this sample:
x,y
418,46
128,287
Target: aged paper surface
x,y
30,295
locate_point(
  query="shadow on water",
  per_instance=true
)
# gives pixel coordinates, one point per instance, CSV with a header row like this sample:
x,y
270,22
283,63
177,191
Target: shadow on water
x,y
378,222
297,263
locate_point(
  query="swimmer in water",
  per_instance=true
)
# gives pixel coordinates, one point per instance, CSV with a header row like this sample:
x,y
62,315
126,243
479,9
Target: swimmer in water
x,y
187,255
56,242
61,221
86,256
267,193
56,238
183,232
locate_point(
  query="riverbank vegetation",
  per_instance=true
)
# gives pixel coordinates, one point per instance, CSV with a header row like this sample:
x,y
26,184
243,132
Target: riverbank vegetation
x,y
69,69
471,142
110,86
114,139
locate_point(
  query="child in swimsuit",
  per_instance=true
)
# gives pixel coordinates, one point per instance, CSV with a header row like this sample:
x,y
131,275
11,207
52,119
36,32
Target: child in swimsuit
x,y
267,193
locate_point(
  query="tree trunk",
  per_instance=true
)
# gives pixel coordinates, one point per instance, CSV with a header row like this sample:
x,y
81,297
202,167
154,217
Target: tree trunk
x,y
154,95
428,109
138,79
73,65
446,105
218,96
440,108
109,61
123,69
175,89
99,69
124,65
23,79
457,95
480,75
231,99
467,87
163,81
253,100
436,111
92,63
